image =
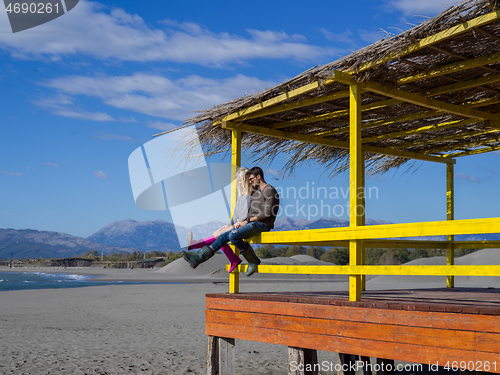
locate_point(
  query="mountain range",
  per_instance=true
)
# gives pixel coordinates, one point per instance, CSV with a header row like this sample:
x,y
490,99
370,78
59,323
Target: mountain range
x,y
28,243
129,236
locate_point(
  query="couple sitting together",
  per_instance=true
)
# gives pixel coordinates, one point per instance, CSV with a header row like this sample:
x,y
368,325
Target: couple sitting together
x,y
255,212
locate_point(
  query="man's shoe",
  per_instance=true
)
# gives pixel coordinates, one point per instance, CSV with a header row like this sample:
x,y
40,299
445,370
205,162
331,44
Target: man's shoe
x,y
252,259
202,255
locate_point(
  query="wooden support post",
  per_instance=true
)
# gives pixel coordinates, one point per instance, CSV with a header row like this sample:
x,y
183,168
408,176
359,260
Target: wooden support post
x,y
226,356
302,361
366,365
386,366
234,277
356,188
450,215
347,364
213,356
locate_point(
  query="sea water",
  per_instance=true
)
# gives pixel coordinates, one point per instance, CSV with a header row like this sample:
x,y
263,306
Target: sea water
x,y
42,280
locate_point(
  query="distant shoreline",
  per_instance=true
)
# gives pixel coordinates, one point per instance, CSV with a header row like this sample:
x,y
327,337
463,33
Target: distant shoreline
x,y
149,275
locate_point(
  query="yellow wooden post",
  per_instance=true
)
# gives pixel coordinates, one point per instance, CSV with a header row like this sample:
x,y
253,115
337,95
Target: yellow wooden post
x,y
450,215
363,217
356,188
234,277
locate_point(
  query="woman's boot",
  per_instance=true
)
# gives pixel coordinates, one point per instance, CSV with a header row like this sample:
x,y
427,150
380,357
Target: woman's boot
x,y
233,259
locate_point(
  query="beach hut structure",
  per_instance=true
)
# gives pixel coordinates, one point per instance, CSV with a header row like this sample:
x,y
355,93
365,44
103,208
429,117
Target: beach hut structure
x,y
152,262
429,94
71,262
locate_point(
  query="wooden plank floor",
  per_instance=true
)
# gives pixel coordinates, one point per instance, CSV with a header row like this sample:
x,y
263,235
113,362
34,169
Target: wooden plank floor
x,y
429,326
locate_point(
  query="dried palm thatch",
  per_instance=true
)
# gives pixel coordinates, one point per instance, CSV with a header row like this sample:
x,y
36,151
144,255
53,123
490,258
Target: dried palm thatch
x,y
387,123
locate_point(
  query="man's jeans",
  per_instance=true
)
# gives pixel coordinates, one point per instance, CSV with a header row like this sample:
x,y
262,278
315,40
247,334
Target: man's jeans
x,y
236,236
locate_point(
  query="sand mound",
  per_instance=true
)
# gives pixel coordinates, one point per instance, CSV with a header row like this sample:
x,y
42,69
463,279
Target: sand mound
x,y
180,266
215,269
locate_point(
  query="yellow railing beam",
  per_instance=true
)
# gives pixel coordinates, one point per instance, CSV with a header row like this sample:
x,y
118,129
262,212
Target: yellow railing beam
x,y
398,244
430,228
433,39
492,270
476,244
452,68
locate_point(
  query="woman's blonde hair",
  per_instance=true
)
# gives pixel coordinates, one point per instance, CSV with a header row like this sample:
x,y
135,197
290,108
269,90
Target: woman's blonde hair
x,y
242,183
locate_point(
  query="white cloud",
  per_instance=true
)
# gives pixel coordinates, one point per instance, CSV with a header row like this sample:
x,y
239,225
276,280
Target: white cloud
x,y
62,105
48,163
420,7
346,37
8,173
101,175
466,177
90,29
163,126
149,94
114,137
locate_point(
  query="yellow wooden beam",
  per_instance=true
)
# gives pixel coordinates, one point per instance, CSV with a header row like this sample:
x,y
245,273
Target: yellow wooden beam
x,y
377,244
476,244
431,40
448,138
463,85
234,277
417,99
356,188
423,129
299,104
414,116
452,68
463,144
332,143
274,101
431,228
332,115
492,270
396,244
473,152
372,124
406,154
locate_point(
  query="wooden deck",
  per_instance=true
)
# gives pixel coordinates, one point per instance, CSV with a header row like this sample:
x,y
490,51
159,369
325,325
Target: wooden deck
x,y
432,326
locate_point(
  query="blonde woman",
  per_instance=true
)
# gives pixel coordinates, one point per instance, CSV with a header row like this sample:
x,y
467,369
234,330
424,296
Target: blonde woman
x,y
240,213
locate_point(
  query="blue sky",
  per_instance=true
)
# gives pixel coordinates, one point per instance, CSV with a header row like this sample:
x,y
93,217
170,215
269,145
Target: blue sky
x,y
82,92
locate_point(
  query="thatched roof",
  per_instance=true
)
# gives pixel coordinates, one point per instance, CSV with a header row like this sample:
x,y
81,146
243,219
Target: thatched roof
x,y
442,73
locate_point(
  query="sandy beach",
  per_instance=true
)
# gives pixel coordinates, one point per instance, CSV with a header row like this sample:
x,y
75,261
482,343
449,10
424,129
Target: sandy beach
x,y
152,328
